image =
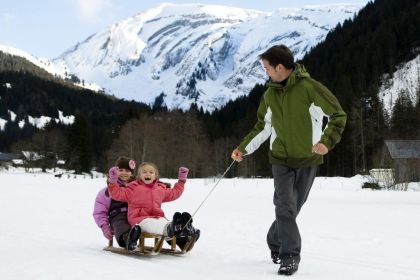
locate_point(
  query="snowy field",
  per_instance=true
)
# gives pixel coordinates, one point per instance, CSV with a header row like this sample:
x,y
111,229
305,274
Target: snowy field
x,y
47,232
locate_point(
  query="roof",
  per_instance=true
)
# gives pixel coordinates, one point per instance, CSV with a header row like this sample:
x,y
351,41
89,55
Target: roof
x,y
403,149
32,156
8,156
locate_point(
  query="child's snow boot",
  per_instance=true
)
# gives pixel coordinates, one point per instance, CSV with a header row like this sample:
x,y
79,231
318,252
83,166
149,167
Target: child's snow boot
x,y
124,239
133,236
187,229
175,227
197,234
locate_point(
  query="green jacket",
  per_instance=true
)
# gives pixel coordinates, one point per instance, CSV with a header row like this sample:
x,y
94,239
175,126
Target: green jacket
x,y
292,115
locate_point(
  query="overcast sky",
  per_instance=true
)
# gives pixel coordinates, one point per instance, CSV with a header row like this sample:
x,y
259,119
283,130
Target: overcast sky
x,y
46,28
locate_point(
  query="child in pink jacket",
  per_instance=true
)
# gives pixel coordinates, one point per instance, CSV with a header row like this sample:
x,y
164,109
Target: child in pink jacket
x,y
144,198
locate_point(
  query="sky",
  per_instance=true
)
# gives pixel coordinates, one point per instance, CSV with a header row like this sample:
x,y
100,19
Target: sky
x,y
47,28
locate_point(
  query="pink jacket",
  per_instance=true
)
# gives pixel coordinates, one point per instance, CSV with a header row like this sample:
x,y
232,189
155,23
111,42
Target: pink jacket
x,y
144,201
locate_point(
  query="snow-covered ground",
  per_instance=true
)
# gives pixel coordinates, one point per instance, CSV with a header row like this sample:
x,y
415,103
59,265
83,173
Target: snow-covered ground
x,y
47,232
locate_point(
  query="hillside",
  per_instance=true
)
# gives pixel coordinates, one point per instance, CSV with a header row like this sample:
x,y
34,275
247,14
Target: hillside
x,y
30,97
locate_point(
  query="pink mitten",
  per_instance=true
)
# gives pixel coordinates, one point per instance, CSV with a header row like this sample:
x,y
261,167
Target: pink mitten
x,y
107,231
113,175
182,173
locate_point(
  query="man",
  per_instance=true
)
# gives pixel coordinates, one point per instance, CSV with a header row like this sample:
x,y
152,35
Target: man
x,y
291,112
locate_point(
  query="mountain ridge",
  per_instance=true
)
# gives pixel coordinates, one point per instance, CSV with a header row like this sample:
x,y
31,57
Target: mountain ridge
x,y
194,53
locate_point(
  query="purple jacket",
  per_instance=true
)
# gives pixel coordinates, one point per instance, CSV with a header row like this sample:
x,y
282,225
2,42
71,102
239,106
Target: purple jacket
x,y
101,210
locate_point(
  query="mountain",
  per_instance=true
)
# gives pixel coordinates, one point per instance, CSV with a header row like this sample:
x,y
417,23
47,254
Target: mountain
x,y
405,80
33,102
52,68
58,70
193,53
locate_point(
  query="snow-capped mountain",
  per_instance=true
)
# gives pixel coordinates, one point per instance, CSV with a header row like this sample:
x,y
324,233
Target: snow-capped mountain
x,y
405,80
57,69
195,53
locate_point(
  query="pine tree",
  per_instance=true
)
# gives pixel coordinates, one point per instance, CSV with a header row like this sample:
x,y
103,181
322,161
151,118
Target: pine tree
x,y
80,146
403,118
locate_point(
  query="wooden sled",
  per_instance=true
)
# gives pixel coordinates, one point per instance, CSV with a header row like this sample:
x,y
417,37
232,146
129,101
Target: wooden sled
x,y
143,250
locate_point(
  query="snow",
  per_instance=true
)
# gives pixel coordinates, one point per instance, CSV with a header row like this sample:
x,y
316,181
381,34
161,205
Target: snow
x,y
161,49
55,68
67,120
43,63
21,123
404,80
12,115
2,123
40,122
348,233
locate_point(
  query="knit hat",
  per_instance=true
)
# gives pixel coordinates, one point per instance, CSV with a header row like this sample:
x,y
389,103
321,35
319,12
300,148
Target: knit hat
x,y
126,163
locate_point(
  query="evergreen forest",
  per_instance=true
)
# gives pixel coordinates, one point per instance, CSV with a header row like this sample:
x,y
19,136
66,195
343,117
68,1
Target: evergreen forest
x,y
352,62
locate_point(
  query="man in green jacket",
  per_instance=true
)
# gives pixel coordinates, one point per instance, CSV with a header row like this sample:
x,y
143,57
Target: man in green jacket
x,y
291,113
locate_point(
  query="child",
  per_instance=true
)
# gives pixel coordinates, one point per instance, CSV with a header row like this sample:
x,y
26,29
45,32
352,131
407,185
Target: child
x,y
111,215
145,197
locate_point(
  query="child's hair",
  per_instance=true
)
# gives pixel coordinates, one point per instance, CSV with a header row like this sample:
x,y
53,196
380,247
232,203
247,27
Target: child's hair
x,y
152,165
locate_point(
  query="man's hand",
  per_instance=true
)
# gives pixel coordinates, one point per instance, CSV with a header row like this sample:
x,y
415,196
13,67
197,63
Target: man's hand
x,y
237,155
319,149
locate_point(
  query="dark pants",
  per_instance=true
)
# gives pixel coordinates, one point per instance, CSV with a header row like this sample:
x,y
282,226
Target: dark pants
x,y
120,226
291,189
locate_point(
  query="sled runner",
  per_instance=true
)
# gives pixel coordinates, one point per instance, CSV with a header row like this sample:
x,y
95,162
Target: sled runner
x,y
143,250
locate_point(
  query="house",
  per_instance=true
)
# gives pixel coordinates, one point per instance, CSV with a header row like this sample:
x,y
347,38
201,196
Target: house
x,y
9,159
403,156
31,159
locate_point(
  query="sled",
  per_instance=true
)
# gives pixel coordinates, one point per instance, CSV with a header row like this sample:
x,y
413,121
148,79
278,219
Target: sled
x,y
159,240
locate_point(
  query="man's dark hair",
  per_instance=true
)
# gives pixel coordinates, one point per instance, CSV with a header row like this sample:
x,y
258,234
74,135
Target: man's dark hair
x,y
279,54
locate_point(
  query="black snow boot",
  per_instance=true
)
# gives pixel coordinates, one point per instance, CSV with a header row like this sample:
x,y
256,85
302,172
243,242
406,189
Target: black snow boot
x,y
175,227
275,257
289,264
197,234
123,241
187,229
133,236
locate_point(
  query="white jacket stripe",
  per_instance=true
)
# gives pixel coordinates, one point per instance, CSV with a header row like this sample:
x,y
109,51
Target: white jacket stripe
x,y
317,116
262,135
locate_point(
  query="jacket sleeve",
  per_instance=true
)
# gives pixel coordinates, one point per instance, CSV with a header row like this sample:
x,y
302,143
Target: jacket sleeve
x,y
260,132
175,192
337,118
118,193
101,208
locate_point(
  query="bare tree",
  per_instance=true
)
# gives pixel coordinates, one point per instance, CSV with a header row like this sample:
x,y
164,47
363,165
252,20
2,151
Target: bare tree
x,y
169,139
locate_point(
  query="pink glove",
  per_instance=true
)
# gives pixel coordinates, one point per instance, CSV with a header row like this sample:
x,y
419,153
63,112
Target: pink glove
x,y
107,231
182,173
113,175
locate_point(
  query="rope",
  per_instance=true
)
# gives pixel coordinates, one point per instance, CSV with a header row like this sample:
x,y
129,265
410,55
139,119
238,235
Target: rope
x,y
207,196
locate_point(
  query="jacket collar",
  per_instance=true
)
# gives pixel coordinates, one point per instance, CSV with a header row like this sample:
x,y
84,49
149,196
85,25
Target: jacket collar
x,y
299,73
